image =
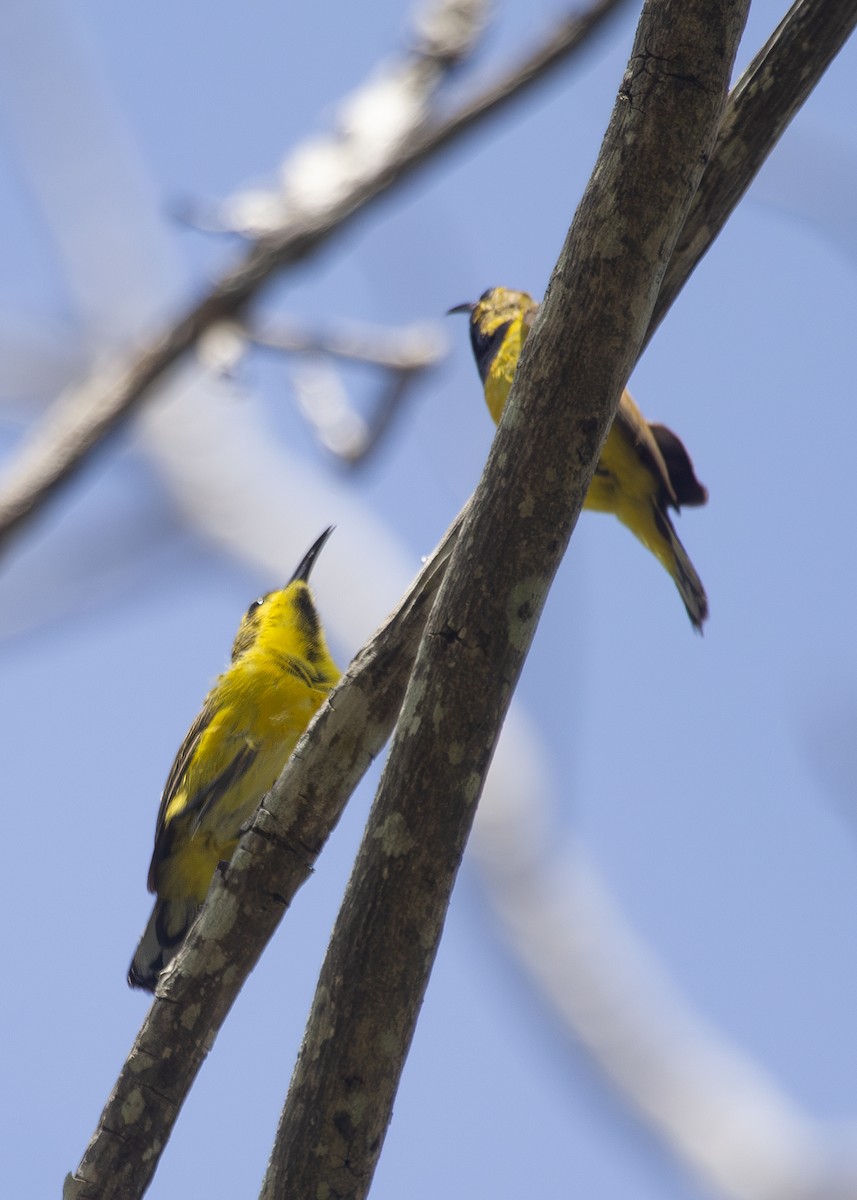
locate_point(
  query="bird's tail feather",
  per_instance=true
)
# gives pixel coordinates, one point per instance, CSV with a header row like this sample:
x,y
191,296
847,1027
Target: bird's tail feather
x,y
675,558
165,932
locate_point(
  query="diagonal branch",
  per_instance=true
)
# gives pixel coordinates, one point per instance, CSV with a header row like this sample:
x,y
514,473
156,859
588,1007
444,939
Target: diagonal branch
x,y
763,102
564,397
76,425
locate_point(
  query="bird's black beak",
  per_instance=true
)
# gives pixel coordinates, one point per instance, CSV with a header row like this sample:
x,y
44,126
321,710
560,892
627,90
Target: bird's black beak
x,y
308,561
461,308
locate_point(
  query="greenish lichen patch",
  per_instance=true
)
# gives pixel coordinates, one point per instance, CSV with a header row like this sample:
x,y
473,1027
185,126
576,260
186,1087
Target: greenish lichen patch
x,y
215,959
139,1062
190,1015
356,1107
324,1028
410,720
133,1107
472,787
394,836
390,1045
521,611
221,916
229,973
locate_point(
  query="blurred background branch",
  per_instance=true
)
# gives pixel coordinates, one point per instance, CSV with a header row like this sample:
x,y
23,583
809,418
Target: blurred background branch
x,y
403,356
327,182
717,1110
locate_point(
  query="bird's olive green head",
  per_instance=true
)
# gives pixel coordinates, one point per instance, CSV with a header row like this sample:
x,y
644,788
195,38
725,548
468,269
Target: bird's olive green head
x,y
490,318
285,623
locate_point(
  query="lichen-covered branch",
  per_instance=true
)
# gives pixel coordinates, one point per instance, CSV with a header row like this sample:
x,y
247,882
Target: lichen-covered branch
x,y
761,105
566,391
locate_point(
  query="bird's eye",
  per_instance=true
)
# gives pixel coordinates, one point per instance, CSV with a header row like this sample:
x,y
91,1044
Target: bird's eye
x,y
255,605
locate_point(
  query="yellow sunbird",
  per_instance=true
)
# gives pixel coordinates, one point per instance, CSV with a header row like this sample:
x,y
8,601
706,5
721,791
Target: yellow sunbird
x,y
280,673
644,470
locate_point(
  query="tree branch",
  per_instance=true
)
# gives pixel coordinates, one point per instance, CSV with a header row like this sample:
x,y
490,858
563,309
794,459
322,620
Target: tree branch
x,y
761,105
566,390
80,420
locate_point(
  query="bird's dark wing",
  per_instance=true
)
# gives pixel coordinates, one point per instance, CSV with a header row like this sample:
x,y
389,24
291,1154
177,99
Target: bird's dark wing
x,y
688,490
234,768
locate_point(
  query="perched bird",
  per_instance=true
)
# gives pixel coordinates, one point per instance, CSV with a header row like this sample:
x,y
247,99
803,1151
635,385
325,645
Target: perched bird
x,y
644,470
280,673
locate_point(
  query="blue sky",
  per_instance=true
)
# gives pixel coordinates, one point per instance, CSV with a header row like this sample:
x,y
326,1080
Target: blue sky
x,y
711,780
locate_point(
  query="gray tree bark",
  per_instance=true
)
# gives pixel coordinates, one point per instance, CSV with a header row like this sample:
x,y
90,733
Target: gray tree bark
x,y
566,391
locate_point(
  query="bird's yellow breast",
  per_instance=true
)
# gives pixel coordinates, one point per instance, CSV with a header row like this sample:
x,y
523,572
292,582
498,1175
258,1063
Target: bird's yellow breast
x,y
260,707
621,460
501,371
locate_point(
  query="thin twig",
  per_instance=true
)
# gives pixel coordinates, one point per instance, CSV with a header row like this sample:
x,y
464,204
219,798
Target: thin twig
x,y
340,428
81,419
409,348
404,356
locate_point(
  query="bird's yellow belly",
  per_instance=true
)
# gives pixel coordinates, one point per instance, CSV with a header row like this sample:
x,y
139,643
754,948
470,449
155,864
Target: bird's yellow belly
x,y
202,840
619,460
633,502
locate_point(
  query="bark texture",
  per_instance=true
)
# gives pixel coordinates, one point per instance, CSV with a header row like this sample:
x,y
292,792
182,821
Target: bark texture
x,y
760,108
566,391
